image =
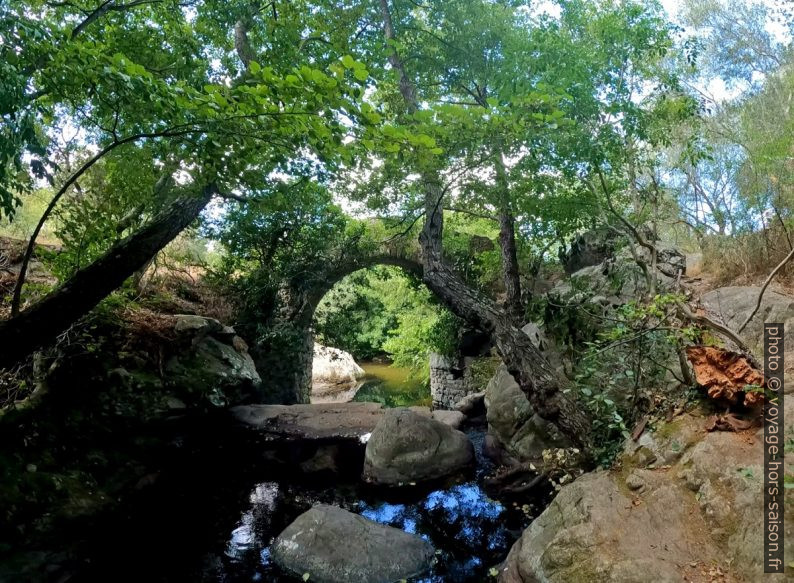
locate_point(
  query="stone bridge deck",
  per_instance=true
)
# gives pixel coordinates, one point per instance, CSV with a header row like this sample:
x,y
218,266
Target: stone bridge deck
x,y
323,422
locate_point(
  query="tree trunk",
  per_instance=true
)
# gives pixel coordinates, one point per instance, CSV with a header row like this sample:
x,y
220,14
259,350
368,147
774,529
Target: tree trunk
x,y
42,322
507,245
510,272
532,372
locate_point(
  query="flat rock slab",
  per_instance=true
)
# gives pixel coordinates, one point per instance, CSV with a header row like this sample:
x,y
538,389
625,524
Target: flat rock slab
x,y
333,545
315,421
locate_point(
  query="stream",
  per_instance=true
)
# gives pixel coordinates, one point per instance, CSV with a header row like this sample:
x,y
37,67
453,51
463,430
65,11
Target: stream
x,y
470,531
214,513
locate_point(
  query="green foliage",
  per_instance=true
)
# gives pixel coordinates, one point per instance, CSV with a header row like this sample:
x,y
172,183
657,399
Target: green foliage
x,y
623,373
21,225
383,311
353,317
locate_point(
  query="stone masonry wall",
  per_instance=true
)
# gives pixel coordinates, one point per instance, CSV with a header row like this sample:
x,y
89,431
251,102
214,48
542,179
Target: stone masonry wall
x,y
450,380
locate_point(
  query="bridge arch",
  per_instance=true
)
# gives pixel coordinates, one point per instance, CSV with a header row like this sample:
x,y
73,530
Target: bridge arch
x,y
284,358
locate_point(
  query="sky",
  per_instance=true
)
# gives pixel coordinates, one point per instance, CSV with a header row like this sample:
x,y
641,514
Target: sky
x,y
716,88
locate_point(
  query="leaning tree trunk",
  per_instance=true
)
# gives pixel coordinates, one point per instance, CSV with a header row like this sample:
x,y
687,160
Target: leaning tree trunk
x,y
539,381
542,385
41,323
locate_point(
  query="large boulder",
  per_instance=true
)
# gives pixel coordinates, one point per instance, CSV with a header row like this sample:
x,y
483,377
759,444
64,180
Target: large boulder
x,y
513,422
594,531
210,362
733,304
409,447
589,248
333,545
617,280
334,366
684,506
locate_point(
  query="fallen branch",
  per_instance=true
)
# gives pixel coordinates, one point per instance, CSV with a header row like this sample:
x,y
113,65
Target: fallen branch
x,y
763,289
685,312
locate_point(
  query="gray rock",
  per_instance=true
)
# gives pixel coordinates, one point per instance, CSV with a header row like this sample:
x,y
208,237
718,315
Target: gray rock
x,y
514,423
635,481
333,545
589,248
192,325
593,531
212,369
471,404
493,449
408,447
732,305
452,418
659,525
671,262
332,365
617,280
210,363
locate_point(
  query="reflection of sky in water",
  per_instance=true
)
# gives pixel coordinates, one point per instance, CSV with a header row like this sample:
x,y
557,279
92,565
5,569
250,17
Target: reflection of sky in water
x,y
470,531
474,518
243,538
265,494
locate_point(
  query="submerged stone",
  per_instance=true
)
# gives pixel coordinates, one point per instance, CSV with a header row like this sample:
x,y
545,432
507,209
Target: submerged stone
x,y
333,545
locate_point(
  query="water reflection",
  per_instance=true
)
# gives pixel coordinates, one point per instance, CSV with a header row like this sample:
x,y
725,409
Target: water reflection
x,y
390,385
470,531
244,539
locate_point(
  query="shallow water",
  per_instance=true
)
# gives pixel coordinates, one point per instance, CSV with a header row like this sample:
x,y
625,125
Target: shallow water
x,y
221,499
470,531
390,385
393,386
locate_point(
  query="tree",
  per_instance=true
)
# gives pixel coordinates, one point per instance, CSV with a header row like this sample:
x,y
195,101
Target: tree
x,y
589,65
736,42
533,373
141,73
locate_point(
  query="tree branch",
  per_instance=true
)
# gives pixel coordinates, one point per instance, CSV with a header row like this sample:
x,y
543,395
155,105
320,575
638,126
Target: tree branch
x,y
16,298
763,289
